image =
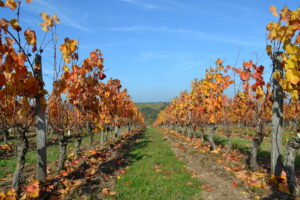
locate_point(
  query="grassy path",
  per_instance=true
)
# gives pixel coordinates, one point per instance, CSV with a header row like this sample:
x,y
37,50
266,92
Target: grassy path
x,y
155,173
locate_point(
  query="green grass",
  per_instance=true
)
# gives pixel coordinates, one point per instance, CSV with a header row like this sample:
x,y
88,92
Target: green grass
x,y
8,165
245,145
170,180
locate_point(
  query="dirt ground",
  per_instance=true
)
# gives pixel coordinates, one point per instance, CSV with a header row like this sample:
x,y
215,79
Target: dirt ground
x,y
219,184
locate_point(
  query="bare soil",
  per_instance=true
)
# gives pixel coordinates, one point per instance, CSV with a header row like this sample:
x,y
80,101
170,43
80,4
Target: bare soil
x,y
219,183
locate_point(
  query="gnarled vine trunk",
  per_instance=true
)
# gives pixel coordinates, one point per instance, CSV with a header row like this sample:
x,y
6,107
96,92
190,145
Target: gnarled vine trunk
x,y
210,137
201,134
63,143
102,137
40,127
78,140
257,140
116,132
22,149
291,149
5,136
277,121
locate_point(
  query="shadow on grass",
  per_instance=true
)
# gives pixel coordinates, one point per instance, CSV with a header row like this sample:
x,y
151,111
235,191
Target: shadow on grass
x,y
122,157
141,142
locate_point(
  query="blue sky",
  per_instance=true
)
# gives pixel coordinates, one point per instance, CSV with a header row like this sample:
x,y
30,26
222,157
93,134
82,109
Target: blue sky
x,y
156,47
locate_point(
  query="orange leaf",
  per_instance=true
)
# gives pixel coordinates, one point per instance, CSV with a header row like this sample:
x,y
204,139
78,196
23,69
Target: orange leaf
x,y
33,189
105,192
121,171
274,11
248,64
234,184
297,40
9,41
219,61
30,37
64,173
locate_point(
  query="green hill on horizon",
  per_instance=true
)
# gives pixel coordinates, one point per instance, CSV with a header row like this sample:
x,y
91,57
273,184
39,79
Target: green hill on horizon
x,y
150,110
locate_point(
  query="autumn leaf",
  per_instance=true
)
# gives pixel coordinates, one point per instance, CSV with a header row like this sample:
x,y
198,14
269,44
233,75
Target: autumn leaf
x,y
65,68
248,64
68,48
234,184
2,4
30,37
121,171
55,19
33,189
293,76
273,10
209,189
102,76
11,4
259,91
219,61
5,147
290,49
269,50
276,75
4,24
9,41
105,191
28,1
245,76
48,21
2,196
297,40
15,24
31,86
64,173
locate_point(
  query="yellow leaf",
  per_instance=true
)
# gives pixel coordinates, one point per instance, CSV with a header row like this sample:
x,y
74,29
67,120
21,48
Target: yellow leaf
x,y
55,19
69,47
291,63
274,11
293,76
15,24
295,95
286,85
269,49
30,37
11,4
65,68
11,192
47,21
259,91
276,76
2,195
290,49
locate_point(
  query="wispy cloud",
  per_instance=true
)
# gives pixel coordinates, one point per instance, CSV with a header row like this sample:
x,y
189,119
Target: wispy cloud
x,y
194,33
141,4
42,5
144,56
